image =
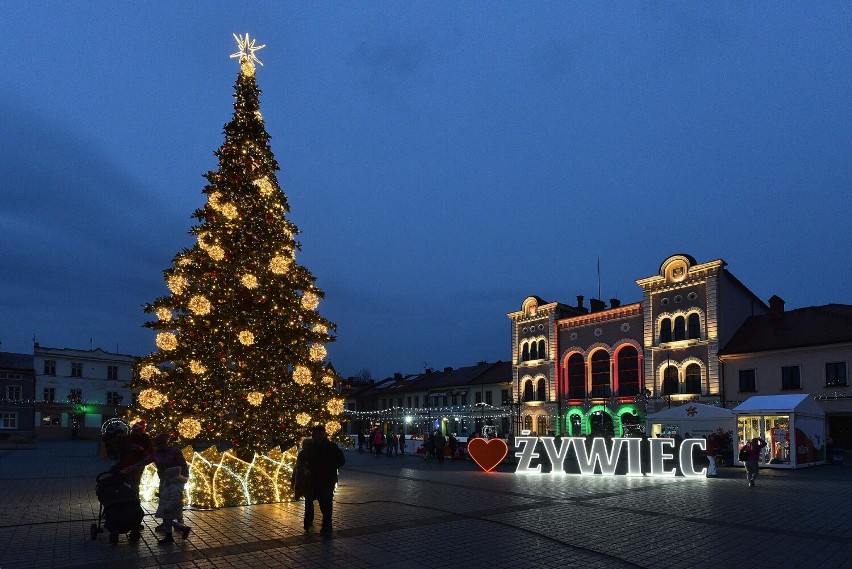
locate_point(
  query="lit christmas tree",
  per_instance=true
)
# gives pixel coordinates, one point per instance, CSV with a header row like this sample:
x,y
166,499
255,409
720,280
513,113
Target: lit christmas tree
x,y
241,344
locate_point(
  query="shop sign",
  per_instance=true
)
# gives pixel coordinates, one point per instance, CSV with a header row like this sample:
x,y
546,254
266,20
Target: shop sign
x,y
660,449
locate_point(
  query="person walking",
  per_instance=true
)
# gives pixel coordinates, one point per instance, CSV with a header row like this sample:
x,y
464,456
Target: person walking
x,y
378,439
453,443
133,448
170,508
362,440
711,450
752,450
402,443
322,460
440,443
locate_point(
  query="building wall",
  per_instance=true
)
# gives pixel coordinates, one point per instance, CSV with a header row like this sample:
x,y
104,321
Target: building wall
x,y
17,415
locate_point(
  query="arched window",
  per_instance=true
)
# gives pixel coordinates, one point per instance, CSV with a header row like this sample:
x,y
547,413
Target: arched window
x,y
680,328
528,390
534,350
541,427
528,423
693,326
540,391
575,423
600,374
576,377
670,381
692,380
628,371
542,351
665,330
525,355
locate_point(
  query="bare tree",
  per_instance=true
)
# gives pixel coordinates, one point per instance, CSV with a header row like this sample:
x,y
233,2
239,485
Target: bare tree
x,y
365,375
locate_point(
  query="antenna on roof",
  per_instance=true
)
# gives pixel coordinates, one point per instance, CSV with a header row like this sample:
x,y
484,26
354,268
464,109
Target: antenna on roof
x,y
599,277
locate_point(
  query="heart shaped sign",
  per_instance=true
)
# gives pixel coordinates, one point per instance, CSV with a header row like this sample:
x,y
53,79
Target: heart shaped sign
x,y
487,454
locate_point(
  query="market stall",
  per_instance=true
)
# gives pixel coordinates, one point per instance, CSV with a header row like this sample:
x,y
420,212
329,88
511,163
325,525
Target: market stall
x,y
694,419
793,427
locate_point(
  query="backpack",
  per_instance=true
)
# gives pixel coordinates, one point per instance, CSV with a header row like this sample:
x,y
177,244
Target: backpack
x,y
744,453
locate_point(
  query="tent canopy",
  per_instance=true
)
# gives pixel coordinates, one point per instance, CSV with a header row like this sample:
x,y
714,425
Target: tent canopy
x,y
692,411
802,404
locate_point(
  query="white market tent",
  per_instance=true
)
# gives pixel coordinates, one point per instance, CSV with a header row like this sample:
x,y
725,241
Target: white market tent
x,y
792,425
697,419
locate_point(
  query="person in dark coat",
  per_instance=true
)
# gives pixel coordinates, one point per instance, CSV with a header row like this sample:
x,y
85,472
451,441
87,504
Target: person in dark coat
x,y
164,457
440,443
134,447
321,462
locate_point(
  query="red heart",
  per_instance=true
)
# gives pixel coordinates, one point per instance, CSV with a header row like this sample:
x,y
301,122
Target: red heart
x,y
487,454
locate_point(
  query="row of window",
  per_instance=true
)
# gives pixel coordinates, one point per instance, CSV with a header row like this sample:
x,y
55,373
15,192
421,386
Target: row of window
x,y
691,380
453,399
534,350
682,328
13,393
77,369
628,374
791,377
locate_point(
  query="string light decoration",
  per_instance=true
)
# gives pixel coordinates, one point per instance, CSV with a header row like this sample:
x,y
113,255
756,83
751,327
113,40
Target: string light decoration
x,y
237,358
146,372
164,314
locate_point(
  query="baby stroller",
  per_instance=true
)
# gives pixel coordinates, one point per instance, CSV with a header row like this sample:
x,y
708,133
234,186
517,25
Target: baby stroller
x,y
120,510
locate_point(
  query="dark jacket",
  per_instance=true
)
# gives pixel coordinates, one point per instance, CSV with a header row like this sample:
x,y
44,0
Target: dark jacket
x,y
321,462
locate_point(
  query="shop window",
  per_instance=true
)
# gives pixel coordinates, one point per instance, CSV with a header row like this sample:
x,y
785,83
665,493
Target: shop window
x,y
790,377
693,325
600,374
665,330
576,377
540,394
692,379
51,420
628,371
747,383
679,328
528,390
835,374
670,381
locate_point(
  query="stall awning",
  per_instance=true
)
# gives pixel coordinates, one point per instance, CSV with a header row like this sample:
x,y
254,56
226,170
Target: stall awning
x,y
801,404
691,411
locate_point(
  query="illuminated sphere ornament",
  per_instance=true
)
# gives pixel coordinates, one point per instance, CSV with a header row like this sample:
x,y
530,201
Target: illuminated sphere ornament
x,y
184,261
202,238
249,281
148,371
246,338
328,380
320,329
151,398
255,398
229,210
302,375
196,367
303,419
310,300
264,185
189,428
199,305
216,253
164,314
280,264
176,284
318,352
166,341
214,200
335,406
332,427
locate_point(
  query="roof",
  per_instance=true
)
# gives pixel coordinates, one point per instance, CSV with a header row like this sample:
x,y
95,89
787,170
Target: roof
x,y
11,360
810,326
693,411
801,403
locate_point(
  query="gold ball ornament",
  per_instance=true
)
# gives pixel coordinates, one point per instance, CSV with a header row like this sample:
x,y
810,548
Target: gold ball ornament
x,y
249,281
213,200
151,398
280,264
199,305
255,398
148,371
328,380
229,210
332,427
189,428
196,367
166,341
176,284
303,419
164,314
202,240
216,253
335,406
302,375
264,186
246,338
309,300
318,352
320,329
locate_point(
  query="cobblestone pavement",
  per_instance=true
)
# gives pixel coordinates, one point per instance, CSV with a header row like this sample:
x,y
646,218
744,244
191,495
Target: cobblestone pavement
x,y
412,514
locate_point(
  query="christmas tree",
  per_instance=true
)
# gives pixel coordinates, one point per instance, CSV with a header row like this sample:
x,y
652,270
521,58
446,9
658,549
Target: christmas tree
x,y
241,345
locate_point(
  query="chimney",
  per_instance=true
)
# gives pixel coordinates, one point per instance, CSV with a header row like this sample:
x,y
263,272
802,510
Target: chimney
x,y
397,375
597,304
614,303
448,369
579,301
776,307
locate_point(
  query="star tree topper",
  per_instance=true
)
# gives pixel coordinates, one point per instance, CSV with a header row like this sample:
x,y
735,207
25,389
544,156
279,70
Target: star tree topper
x,y
247,49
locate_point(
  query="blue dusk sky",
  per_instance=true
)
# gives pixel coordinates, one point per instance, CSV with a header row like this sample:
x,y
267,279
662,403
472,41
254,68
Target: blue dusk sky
x,y
444,160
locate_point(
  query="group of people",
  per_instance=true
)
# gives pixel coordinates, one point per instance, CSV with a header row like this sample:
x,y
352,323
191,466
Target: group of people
x,y
392,444
137,450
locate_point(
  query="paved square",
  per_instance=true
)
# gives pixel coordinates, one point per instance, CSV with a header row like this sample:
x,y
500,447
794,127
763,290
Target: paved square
x,y
407,513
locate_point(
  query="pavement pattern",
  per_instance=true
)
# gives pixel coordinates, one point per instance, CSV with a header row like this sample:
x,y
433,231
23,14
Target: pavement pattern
x,y
404,512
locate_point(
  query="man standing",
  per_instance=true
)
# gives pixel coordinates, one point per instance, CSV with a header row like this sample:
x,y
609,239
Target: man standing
x,y
710,451
753,450
322,460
